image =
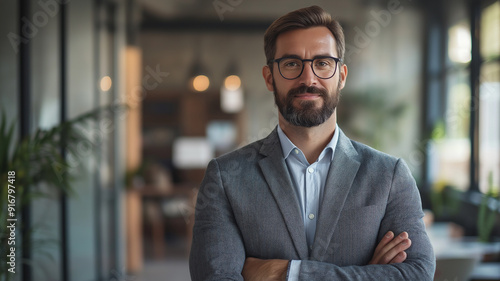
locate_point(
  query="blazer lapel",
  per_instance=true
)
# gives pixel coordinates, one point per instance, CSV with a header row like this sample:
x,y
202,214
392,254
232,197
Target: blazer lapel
x,y
276,174
343,170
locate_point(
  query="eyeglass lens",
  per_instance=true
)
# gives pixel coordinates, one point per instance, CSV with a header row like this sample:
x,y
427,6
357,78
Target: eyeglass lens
x,y
291,68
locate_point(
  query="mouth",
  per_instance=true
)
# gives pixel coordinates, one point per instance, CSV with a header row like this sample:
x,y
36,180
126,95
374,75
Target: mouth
x,y
307,96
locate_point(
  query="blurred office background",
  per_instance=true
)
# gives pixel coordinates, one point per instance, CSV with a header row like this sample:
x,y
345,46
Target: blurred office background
x,y
423,85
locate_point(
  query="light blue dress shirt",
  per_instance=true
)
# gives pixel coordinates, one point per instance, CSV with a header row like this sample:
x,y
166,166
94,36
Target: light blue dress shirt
x,y
309,183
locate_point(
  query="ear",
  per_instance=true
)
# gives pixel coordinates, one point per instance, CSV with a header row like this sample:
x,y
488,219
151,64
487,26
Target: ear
x,y
343,75
268,77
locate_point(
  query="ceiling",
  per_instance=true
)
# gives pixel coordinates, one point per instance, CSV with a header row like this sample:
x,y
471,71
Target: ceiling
x,y
264,11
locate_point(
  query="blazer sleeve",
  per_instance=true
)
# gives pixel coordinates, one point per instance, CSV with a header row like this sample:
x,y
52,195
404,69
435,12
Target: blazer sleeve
x,y
403,213
217,251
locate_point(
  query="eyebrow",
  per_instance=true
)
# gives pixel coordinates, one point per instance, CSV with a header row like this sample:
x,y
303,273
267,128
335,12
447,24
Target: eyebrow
x,y
298,57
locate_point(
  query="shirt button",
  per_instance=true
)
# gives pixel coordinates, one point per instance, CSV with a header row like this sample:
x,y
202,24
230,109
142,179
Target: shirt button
x,y
296,151
310,170
311,216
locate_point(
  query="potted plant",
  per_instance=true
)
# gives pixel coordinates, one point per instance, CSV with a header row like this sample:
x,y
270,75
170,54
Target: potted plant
x,y
488,211
26,164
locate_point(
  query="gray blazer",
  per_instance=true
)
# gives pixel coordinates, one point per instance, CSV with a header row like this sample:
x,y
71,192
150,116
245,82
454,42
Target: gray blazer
x,y
247,207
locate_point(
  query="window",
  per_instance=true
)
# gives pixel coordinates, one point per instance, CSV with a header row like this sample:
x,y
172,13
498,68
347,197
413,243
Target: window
x,y
459,43
452,149
489,97
463,96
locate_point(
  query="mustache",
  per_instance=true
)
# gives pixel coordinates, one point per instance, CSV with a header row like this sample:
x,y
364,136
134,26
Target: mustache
x,y
307,89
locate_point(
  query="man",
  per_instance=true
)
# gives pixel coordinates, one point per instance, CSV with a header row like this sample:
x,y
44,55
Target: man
x,y
306,202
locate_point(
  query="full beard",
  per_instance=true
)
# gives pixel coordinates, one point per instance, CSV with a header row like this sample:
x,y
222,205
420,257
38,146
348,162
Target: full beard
x,y
308,114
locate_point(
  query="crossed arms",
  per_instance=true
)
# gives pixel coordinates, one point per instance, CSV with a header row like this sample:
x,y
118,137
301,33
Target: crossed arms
x,y
390,250
227,247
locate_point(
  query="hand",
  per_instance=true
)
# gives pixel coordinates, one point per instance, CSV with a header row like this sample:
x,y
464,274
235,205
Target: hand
x,y
264,270
391,249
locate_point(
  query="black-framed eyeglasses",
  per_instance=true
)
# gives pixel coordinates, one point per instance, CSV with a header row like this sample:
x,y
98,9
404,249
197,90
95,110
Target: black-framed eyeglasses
x,y
323,67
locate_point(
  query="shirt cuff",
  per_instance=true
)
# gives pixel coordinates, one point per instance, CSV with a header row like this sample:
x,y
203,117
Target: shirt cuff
x,y
293,273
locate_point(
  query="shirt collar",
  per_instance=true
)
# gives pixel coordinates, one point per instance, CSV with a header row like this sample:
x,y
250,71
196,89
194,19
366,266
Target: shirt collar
x,y
287,145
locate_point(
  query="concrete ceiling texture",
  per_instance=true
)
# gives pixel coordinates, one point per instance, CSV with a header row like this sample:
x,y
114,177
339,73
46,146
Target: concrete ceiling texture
x,y
346,11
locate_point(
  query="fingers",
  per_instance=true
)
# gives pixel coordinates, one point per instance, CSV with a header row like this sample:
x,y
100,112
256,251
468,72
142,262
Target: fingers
x,y
401,257
394,250
387,238
391,249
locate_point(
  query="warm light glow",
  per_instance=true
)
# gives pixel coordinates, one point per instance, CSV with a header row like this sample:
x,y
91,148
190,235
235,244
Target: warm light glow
x,y
232,82
201,83
106,83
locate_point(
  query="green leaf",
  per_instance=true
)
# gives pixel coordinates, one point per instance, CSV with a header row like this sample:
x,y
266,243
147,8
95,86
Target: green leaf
x,y
37,161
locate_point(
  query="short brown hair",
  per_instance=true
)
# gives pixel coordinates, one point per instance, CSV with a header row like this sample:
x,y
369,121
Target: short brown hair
x,y
299,19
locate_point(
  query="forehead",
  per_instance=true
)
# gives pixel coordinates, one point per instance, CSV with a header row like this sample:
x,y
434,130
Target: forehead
x,y
306,42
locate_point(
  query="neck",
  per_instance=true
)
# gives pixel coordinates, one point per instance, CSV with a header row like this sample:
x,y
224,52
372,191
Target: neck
x,y
311,141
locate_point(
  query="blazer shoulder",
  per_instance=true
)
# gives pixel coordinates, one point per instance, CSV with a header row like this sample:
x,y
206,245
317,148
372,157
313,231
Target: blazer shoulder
x,y
251,153
374,156
247,152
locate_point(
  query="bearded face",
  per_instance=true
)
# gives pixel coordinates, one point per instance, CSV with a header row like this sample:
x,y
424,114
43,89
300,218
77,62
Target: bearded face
x,y
306,113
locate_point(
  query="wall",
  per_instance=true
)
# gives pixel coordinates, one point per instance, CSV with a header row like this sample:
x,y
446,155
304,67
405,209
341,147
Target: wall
x,y
391,62
390,66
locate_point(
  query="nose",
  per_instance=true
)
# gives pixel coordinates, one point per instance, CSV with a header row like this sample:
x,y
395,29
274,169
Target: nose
x,y
308,78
